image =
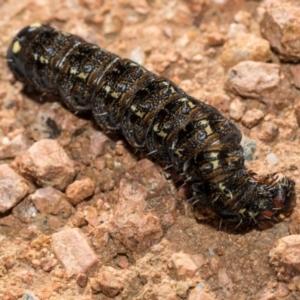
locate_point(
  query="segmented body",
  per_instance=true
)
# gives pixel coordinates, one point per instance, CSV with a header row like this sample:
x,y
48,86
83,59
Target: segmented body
x,y
153,114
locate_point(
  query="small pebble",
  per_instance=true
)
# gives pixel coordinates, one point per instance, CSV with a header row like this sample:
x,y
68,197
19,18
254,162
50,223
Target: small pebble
x,y
272,159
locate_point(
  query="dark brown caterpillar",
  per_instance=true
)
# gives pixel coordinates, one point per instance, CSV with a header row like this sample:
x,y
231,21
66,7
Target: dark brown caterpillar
x,y
153,114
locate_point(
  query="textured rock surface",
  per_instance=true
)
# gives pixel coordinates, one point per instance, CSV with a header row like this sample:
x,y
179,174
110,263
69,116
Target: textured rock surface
x,y
252,117
286,257
73,251
12,148
253,79
280,26
109,281
51,201
245,47
184,265
131,225
80,190
47,163
13,188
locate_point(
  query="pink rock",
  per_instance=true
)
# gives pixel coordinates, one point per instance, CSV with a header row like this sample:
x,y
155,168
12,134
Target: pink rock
x,y
91,215
273,290
185,265
17,146
132,197
80,190
236,109
224,278
47,163
82,279
215,39
106,180
268,131
245,47
131,225
72,249
100,236
243,17
13,188
149,175
25,211
135,232
51,201
286,257
119,150
182,289
48,263
78,219
9,221
252,79
252,117
55,222
122,262
280,26
7,172
98,141
109,281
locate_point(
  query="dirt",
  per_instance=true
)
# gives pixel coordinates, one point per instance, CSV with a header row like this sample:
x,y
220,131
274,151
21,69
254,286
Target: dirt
x,y
184,41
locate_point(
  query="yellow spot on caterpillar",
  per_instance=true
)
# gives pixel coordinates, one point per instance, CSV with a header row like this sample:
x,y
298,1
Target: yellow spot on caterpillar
x,y
65,33
241,211
35,56
16,47
191,104
73,70
83,75
208,130
178,153
252,214
44,60
221,186
107,88
172,90
137,112
213,154
162,134
215,164
159,132
35,25
115,94
155,127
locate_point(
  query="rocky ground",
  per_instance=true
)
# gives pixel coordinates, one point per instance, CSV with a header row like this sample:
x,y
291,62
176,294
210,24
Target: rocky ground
x,y
84,217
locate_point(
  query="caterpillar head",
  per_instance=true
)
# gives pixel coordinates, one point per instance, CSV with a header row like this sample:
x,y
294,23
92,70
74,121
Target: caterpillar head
x,y
250,200
263,198
280,196
15,52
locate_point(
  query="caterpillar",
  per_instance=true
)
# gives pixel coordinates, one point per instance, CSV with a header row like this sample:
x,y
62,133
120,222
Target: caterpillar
x,y
153,114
